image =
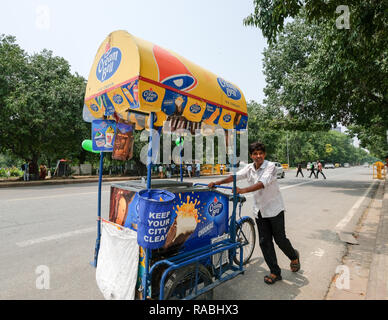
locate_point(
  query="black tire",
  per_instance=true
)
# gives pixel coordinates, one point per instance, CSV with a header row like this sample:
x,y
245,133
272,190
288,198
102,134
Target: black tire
x,y
245,233
180,283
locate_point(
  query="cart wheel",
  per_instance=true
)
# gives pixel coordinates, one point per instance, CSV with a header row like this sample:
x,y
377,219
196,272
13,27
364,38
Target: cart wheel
x,y
181,283
246,234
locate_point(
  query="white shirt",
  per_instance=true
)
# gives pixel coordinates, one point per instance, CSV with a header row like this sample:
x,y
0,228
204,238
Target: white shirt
x,y
268,200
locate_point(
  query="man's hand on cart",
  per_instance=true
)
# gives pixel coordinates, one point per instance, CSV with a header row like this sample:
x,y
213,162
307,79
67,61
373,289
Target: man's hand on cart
x,y
211,185
240,190
223,181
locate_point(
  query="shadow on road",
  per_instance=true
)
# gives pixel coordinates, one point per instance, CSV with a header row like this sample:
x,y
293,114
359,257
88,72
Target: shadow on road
x,y
347,187
251,286
326,235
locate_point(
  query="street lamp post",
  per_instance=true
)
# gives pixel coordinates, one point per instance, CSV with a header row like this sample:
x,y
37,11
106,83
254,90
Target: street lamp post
x,y
288,155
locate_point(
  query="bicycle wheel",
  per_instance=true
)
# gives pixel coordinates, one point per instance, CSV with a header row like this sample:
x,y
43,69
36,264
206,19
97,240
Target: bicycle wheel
x,y
181,283
246,234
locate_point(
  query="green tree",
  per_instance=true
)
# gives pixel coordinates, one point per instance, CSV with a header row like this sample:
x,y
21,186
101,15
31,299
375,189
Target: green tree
x,y
319,72
41,112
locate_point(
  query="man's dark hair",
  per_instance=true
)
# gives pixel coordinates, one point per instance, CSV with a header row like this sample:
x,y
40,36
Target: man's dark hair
x,y
256,146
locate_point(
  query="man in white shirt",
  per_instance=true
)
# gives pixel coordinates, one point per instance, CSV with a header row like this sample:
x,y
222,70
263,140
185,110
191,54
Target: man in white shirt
x,y
268,209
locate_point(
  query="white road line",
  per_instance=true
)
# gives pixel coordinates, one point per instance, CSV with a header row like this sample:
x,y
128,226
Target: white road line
x,y
286,187
340,226
56,196
55,237
298,184
319,252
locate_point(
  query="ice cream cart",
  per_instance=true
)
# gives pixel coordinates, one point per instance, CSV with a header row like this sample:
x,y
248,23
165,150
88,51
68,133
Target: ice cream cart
x,y
190,238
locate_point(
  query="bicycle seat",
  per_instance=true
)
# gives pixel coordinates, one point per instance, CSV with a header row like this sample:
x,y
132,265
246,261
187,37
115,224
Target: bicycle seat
x,y
240,198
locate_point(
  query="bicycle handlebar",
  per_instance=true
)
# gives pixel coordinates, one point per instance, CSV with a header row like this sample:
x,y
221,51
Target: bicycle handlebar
x,y
215,186
240,197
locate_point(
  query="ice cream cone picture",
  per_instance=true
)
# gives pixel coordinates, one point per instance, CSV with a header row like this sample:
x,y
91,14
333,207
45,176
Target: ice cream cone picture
x,y
103,133
109,107
130,91
109,137
172,72
185,223
213,118
241,122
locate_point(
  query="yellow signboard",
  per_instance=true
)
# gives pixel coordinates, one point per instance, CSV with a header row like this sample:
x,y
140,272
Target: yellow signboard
x,y
133,75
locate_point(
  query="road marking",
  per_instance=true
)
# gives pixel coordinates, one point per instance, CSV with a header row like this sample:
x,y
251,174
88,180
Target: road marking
x,y
55,237
295,185
341,225
319,253
56,196
286,187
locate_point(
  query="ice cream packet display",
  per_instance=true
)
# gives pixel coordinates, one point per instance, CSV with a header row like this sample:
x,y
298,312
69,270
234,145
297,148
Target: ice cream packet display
x,y
123,146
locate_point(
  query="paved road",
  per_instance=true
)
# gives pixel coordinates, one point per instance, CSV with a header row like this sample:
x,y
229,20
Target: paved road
x,y
55,227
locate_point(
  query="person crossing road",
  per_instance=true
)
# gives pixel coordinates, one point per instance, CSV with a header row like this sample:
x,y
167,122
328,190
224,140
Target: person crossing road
x,y
312,168
319,170
299,170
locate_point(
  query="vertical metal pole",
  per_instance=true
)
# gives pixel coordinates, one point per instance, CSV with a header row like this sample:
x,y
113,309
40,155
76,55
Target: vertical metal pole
x,y
149,164
97,248
181,166
288,155
232,225
149,155
233,220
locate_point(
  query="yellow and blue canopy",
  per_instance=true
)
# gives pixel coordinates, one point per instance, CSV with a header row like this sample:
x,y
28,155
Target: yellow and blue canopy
x,y
131,77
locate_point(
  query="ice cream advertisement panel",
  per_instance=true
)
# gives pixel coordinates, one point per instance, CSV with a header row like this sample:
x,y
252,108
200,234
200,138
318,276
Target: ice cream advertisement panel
x,y
103,135
131,73
195,219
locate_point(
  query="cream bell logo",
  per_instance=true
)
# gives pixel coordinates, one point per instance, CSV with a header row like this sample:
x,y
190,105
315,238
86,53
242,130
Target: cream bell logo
x,y
108,64
150,95
229,89
215,208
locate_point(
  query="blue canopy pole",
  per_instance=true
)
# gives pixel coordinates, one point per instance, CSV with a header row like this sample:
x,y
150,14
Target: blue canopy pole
x,y
233,220
97,248
181,166
149,164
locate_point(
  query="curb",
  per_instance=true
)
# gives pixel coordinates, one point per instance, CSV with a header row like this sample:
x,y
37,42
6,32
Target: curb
x,y
378,276
16,184
362,274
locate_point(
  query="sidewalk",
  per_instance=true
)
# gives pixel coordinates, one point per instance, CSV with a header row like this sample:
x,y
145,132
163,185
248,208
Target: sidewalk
x,y
73,179
363,273
81,179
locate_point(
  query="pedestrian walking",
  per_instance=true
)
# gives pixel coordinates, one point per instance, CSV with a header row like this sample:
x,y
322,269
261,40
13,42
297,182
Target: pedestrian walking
x,y
268,209
42,171
161,171
312,170
25,171
319,169
189,168
198,169
299,170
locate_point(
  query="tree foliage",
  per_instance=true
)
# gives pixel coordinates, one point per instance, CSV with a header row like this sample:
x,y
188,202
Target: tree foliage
x,y
321,73
301,144
40,105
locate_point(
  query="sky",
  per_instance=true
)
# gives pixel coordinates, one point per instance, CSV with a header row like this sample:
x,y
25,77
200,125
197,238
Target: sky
x,y
209,33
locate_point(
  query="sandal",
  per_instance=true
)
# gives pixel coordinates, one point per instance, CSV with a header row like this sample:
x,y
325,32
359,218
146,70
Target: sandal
x,y
295,267
272,278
